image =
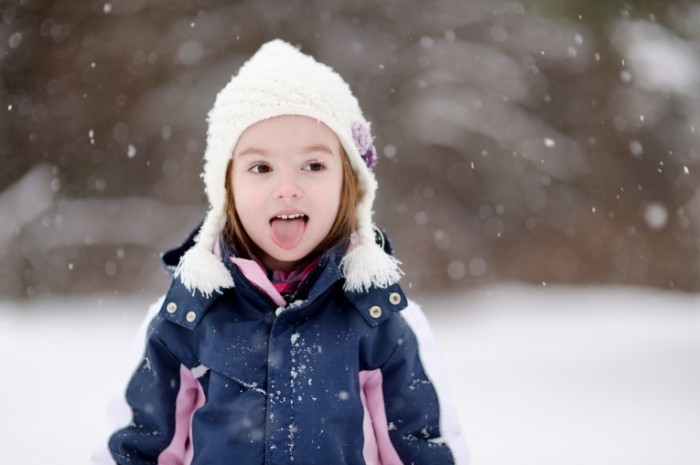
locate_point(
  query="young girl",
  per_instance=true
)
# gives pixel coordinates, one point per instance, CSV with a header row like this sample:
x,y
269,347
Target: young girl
x,y
285,337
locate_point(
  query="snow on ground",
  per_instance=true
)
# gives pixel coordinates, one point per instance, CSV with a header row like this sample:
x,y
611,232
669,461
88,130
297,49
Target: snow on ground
x,y
560,376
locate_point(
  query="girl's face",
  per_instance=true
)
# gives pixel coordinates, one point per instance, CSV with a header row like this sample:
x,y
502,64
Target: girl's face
x,y
286,177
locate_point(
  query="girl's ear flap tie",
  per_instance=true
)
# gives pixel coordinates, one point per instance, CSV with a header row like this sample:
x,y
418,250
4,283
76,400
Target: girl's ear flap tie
x,y
200,270
367,265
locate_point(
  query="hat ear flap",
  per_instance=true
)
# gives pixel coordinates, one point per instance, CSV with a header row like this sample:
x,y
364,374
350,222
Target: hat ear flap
x,y
367,264
199,269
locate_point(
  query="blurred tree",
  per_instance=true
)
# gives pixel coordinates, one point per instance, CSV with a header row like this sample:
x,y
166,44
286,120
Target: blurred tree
x,y
537,141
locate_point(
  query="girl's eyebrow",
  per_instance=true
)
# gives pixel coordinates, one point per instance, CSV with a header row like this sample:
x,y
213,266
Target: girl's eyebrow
x,y
307,149
251,151
317,148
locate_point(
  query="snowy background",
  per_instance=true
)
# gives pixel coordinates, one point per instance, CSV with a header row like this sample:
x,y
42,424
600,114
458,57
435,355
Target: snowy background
x,y
548,142
565,376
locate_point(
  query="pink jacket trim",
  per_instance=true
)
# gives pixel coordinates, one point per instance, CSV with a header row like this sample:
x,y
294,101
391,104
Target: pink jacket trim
x,y
189,398
252,271
378,449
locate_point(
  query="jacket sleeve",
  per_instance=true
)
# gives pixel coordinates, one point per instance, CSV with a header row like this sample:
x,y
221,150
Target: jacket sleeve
x,y
151,395
422,423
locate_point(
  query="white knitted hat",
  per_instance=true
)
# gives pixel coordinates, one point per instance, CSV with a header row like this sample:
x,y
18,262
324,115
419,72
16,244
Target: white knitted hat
x,y
280,80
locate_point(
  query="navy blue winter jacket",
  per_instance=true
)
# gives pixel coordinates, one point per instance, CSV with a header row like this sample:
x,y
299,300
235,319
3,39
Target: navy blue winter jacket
x,y
338,378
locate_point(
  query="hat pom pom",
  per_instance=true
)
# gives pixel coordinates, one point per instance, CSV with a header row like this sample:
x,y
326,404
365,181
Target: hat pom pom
x,y
200,270
368,265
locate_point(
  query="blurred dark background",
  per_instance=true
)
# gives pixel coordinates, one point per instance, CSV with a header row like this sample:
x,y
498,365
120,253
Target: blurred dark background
x,y
540,141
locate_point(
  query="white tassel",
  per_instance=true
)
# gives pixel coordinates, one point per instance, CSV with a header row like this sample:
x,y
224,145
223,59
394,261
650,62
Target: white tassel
x,y
201,270
368,265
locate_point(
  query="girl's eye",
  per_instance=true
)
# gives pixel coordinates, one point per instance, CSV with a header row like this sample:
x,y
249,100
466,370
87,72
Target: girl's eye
x,y
260,168
314,166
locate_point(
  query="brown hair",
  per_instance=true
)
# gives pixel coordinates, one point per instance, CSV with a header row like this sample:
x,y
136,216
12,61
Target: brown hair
x,y
344,225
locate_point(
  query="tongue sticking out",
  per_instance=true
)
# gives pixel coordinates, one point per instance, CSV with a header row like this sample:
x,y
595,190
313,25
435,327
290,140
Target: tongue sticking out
x,y
287,233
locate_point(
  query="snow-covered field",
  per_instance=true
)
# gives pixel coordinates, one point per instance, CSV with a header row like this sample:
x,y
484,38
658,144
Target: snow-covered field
x,y
546,376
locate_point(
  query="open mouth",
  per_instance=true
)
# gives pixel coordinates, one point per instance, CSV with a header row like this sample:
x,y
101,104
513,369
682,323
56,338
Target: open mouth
x,y
295,216
287,230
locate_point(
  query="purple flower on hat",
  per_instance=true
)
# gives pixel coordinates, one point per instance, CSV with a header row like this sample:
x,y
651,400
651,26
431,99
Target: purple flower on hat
x,y
363,142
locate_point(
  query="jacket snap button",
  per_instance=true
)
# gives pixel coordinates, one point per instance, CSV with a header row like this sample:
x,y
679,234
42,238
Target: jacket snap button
x,y
375,311
171,307
395,298
191,316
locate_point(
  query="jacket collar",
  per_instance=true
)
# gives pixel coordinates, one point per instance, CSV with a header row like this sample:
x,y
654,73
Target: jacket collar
x,y
375,305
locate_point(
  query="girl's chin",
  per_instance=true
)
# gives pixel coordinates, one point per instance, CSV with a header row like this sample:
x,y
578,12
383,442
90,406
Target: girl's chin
x,y
283,261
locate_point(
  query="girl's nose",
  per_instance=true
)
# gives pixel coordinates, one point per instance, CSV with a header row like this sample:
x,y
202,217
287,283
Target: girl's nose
x,y
287,186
